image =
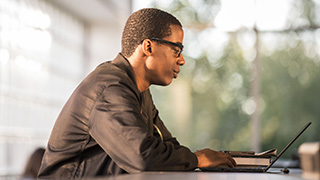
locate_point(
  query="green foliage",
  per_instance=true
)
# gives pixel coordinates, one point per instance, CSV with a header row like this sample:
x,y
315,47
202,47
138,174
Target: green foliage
x,y
221,86
290,89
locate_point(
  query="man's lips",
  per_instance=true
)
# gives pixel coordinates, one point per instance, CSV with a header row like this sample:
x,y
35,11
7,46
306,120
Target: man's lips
x,y
175,73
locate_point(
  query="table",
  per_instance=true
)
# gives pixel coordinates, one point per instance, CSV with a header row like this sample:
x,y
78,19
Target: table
x,y
273,174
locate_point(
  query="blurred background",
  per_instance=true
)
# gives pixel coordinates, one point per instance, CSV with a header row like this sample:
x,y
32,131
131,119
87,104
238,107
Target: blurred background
x,y
250,82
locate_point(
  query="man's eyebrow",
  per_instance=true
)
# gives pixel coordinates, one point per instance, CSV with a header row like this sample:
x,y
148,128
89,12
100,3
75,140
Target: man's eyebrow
x,y
181,45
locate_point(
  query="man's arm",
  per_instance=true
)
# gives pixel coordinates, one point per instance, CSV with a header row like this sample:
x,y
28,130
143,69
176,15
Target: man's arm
x,y
205,157
118,127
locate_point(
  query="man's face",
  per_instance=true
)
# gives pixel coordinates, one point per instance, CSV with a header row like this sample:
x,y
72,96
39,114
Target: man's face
x,y
165,64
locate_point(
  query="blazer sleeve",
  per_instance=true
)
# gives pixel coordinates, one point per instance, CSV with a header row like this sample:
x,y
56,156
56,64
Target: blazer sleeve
x,y
117,126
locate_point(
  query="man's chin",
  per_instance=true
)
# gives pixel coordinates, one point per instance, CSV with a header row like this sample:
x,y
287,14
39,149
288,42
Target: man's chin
x,y
165,83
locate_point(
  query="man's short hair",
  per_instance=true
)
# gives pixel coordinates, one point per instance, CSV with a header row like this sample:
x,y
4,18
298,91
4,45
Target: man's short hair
x,y
144,24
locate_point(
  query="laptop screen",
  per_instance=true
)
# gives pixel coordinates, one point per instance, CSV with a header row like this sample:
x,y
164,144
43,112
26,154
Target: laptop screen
x,y
288,145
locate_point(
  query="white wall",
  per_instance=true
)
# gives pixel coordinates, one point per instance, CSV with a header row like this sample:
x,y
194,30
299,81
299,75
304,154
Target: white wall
x,y
104,44
45,51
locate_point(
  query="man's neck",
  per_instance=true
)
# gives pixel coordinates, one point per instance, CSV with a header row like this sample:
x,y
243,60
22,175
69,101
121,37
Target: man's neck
x,y
137,64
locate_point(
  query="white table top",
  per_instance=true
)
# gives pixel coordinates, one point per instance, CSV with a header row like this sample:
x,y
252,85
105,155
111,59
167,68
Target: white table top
x,y
271,175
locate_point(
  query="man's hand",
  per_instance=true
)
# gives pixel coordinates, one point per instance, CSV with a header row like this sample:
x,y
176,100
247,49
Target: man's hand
x,y
211,158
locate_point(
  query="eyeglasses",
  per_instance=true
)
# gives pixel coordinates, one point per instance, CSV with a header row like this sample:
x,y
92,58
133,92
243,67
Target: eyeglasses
x,y
179,45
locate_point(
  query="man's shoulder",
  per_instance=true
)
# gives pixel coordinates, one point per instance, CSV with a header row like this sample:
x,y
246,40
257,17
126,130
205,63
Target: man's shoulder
x,y
118,67
109,72
116,73
108,75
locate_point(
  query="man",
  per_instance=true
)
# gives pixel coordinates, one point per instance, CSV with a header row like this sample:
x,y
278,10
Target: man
x,y
110,125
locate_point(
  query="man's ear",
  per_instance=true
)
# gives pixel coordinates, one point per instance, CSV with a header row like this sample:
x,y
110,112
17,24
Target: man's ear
x,y
147,47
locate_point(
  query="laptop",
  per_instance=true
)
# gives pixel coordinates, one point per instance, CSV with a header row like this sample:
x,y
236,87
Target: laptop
x,y
258,169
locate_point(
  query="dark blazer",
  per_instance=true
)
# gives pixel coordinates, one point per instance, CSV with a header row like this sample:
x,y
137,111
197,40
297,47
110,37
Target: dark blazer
x,y
107,127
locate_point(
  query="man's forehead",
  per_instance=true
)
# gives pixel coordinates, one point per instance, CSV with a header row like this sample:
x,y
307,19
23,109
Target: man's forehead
x,y
176,34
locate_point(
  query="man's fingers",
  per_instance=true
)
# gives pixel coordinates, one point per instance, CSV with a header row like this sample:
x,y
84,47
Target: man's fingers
x,y
210,158
228,157
233,162
229,164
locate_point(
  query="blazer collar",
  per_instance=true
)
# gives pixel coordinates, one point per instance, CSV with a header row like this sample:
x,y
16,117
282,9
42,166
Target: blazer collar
x,y
122,62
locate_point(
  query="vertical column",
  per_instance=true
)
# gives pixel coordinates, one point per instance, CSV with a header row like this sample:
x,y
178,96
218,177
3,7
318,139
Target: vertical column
x,y
181,101
255,93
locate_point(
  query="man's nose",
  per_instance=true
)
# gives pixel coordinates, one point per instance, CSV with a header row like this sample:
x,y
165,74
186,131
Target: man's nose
x,y
181,61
